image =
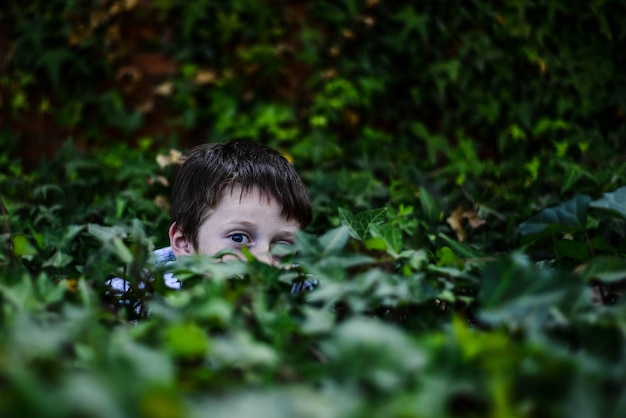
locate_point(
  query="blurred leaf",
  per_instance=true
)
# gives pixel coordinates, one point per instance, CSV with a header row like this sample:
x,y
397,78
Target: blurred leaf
x,y
186,340
515,292
334,240
361,341
59,259
605,268
460,248
22,247
614,202
569,216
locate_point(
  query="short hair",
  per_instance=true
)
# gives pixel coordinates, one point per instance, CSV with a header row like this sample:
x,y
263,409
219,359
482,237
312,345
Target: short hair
x,y
209,169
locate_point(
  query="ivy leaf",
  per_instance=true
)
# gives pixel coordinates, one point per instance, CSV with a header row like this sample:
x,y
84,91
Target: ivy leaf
x,y
362,222
573,173
605,268
59,259
391,236
569,216
334,240
515,292
614,202
22,247
112,239
430,206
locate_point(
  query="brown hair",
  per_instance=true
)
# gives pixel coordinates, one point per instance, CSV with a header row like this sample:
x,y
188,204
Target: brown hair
x,y
211,168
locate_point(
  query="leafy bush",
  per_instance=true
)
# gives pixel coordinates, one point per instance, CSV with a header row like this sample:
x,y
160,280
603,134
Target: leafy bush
x,y
466,166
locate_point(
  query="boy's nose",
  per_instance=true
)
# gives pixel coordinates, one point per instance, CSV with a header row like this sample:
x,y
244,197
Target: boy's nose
x,y
262,253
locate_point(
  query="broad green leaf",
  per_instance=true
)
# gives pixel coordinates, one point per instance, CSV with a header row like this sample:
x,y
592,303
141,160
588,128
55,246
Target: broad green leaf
x,y
569,216
514,291
391,235
375,243
575,250
280,400
607,269
22,247
242,350
186,340
105,233
447,257
361,223
72,231
307,244
59,259
573,172
334,240
360,341
614,201
111,238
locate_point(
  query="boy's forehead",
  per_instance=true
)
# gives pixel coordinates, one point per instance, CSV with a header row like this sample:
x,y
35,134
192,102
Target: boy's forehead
x,y
251,192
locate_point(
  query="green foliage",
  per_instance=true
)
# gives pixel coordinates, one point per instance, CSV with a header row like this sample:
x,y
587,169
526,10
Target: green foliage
x,y
466,165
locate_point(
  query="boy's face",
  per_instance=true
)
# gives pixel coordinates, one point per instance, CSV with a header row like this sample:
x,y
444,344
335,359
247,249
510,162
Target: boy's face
x,y
240,219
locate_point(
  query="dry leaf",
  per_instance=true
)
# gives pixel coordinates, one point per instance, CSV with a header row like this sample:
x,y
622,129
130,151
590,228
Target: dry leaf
x,y
328,74
455,220
146,107
174,157
158,179
130,4
368,21
162,202
164,89
204,77
473,219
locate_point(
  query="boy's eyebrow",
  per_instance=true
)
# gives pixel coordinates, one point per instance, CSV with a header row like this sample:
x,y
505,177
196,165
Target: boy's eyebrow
x,y
242,223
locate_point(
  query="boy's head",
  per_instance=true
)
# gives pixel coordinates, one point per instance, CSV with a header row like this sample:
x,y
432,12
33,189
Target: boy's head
x,y
233,181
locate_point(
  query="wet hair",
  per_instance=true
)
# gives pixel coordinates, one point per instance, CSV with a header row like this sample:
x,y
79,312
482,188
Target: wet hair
x,y
210,169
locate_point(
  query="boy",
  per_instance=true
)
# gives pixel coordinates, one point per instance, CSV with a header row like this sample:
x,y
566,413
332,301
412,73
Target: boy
x,y
230,195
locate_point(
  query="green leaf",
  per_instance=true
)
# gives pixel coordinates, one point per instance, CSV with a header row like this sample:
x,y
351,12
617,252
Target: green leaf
x,y
334,240
375,243
361,223
360,341
111,238
607,269
575,250
514,291
570,216
391,235
186,340
460,248
573,173
430,206
22,247
447,257
59,259
614,202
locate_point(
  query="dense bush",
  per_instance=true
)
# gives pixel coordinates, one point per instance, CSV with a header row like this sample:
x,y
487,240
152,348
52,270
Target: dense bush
x,y
467,167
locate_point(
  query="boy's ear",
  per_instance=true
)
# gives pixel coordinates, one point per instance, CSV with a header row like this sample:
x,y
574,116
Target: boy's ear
x,y
180,244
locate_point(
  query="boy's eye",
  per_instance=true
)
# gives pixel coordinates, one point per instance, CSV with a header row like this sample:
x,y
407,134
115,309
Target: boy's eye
x,y
240,238
282,248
